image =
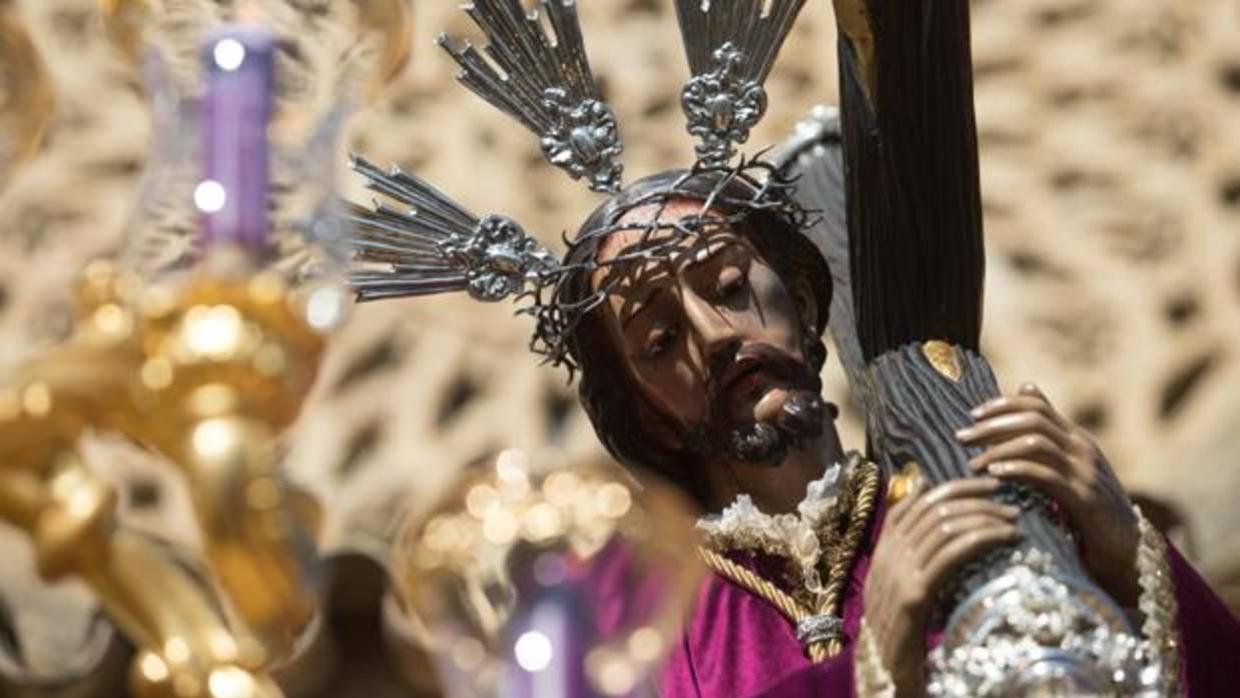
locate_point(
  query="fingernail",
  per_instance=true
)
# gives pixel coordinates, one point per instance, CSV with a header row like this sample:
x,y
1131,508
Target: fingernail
x,y
998,469
963,434
977,412
1011,511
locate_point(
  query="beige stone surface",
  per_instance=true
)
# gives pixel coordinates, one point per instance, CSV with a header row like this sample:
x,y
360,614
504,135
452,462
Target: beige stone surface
x,y
1111,181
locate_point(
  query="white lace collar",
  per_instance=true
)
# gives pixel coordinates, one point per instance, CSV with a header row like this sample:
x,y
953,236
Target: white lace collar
x,y
742,526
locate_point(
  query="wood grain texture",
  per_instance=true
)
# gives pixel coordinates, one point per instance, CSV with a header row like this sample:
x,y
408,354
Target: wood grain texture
x,y
913,193
916,257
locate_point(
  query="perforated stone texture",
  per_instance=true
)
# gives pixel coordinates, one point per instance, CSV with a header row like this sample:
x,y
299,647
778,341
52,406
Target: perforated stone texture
x,y
1111,180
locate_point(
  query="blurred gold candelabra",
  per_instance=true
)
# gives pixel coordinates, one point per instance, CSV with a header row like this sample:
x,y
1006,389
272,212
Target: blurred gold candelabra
x,y
206,369
204,372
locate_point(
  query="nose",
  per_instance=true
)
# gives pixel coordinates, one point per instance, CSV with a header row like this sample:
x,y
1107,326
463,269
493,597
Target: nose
x,y
717,338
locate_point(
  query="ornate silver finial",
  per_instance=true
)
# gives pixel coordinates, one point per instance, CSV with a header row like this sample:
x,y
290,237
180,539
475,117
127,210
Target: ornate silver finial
x,y
546,85
731,46
437,246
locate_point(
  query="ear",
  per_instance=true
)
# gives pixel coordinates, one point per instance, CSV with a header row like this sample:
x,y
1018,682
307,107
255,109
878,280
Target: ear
x,y
806,302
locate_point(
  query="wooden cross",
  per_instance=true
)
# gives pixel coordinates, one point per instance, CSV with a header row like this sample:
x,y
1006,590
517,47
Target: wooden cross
x,y
895,177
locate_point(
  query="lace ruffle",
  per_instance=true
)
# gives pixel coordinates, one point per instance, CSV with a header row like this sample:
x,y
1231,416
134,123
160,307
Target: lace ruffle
x,y
797,537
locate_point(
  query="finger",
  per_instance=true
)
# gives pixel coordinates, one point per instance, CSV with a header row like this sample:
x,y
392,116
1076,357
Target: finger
x,y
1032,390
946,512
924,549
1018,403
950,557
1037,475
973,487
1034,447
1009,426
899,511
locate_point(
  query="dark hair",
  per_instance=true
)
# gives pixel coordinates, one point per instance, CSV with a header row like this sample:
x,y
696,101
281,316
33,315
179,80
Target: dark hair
x,y
611,398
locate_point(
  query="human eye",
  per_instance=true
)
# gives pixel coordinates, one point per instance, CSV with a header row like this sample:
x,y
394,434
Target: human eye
x,y
731,282
658,342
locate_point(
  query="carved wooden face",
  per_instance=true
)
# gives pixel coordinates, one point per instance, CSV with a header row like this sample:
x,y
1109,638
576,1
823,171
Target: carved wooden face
x,y
713,335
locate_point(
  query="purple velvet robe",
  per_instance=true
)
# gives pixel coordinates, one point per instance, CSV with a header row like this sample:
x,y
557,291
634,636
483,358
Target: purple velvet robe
x,y
737,645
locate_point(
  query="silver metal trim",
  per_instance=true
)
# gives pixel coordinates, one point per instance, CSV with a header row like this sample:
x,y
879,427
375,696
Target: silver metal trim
x,y
731,46
543,83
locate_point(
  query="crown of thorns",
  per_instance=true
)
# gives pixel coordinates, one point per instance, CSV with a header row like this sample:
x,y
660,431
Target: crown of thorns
x,y
432,245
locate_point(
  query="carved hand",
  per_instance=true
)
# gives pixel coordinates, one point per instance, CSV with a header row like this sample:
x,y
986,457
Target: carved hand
x,y
925,538
1027,441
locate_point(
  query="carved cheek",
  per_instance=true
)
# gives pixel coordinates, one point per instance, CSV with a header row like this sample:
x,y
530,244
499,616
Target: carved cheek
x,y
774,308
676,390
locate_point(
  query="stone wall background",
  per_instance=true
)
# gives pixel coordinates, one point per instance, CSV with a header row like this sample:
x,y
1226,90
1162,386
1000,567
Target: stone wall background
x,y
1111,182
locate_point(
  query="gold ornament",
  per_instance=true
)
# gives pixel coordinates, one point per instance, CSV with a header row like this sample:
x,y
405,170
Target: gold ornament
x,y
942,356
123,22
391,22
206,372
27,102
908,482
855,23
386,23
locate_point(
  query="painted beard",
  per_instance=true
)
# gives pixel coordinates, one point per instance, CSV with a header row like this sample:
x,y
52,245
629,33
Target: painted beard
x,y
765,443
799,418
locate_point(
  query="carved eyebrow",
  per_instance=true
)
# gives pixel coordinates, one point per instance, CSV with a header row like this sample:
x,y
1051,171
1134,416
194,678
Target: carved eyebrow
x,y
702,256
643,305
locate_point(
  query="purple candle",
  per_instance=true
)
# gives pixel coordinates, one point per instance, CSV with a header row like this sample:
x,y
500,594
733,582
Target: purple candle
x,y
232,195
549,647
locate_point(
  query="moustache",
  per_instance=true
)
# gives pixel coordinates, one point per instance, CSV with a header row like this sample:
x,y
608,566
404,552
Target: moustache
x,y
729,368
800,418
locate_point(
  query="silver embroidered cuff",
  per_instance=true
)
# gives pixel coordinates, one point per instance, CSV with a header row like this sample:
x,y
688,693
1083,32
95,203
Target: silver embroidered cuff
x,y
1159,606
870,676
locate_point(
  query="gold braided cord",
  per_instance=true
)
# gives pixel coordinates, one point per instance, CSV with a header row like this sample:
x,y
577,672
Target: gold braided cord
x,y
862,494
753,582
845,554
